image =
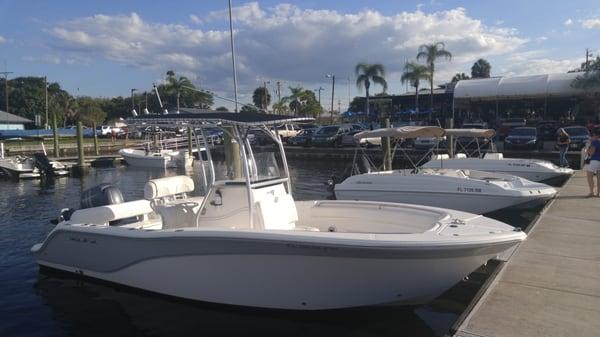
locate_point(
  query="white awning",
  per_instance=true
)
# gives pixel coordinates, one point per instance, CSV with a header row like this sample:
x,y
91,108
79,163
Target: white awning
x,y
403,132
485,133
518,87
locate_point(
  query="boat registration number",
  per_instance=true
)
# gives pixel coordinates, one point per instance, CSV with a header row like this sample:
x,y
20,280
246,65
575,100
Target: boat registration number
x,y
468,189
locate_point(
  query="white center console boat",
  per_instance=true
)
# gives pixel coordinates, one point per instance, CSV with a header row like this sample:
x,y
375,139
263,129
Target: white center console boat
x,y
247,242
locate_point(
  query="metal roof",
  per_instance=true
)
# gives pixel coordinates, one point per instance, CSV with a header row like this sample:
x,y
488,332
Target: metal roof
x,y
518,87
243,119
6,117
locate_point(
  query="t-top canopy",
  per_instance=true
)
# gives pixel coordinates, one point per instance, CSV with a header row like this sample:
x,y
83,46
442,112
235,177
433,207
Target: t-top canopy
x,y
402,132
485,133
243,119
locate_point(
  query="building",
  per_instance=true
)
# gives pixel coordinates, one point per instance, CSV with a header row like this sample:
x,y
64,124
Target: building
x,y
538,97
12,122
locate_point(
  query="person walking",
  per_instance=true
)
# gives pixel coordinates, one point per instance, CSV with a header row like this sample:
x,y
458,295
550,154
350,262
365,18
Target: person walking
x,y
592,166
563,142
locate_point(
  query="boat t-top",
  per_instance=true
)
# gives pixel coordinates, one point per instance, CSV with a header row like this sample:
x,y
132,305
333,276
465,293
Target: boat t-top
x,y
247,242
466,190
470,156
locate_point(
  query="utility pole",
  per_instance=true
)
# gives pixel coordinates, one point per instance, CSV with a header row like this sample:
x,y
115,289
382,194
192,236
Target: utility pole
x,y
47,124
332,93
5,73
587,59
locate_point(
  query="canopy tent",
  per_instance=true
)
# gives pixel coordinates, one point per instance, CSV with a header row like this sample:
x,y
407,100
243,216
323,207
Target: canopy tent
x,y
402,132
518,87
485,133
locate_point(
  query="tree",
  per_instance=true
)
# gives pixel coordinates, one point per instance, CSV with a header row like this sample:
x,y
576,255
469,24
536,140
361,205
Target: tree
x,y
481,69
261,98
588,80
413,74
247,108
177,85
431,53
89,111
367,73
303,102
222,109
281,108
459,77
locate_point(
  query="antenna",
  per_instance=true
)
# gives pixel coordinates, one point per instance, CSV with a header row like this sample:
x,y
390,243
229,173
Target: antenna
x,y
165,111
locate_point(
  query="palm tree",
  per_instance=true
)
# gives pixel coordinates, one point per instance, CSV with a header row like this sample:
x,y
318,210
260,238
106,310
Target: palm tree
x,y
176,85
413,74
481,69
295,99
367,73
431,52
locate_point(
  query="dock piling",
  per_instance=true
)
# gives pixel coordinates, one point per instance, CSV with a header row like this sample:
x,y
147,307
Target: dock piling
x,y
189,140
55,136
386,147
96,151
81,166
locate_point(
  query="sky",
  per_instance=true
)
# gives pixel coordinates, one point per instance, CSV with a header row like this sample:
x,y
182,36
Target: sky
x,y
106,48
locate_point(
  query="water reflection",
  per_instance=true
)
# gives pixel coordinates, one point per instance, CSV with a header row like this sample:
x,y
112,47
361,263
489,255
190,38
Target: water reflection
x,y
85,308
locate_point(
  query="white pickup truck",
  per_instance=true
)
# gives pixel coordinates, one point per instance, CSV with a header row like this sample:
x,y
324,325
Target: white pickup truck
x,y
286,131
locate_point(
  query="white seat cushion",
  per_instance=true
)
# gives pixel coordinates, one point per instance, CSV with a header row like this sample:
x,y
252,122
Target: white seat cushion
x,y
163,187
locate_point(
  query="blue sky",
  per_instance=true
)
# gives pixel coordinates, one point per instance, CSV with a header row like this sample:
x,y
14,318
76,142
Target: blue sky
x,y
104,48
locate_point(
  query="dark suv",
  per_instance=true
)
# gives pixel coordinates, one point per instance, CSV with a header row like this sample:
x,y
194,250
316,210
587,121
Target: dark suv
x,y
523,138
330,135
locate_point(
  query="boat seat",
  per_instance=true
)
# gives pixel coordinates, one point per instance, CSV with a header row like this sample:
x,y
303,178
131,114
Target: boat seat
x,y
440,157
460,156
105,214
277,212
169,199
493,155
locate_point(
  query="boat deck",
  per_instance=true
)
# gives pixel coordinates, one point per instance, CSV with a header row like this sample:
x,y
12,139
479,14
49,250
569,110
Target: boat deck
x,y
551,284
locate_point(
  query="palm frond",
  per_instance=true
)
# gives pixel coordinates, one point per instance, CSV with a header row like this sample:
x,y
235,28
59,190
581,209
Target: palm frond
x,y
381,81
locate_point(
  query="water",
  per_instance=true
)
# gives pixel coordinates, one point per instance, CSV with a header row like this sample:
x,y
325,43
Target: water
x,y
34,303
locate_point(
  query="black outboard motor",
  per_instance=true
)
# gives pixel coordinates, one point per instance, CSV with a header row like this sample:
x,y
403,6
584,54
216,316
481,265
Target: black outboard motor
x,y
101,195
42,163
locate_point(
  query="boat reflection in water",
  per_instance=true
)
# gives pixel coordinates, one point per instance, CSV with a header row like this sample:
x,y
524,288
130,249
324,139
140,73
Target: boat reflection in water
x,y
91,308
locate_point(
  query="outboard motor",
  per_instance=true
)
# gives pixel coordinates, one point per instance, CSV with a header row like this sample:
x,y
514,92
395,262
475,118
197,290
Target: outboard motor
x,y
42,163
101,195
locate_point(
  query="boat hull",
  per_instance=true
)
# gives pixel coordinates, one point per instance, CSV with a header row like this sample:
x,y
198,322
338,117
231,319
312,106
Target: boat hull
x,y
467,202
277,274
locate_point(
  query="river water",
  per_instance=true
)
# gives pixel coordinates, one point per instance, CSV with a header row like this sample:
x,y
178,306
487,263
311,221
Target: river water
x,y
34,303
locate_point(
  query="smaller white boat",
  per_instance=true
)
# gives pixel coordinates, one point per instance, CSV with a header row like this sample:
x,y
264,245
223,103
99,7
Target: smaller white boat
x,y
30,167
160,152
465,190
530,169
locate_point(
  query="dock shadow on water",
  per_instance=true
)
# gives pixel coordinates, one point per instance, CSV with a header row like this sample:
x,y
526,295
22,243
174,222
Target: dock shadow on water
x,y
41,303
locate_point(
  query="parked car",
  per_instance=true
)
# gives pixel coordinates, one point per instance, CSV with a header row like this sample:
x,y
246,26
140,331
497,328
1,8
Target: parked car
x,y
330,135
523,138
426,143
507,125
579,136
547,130
286,131
304,137
104,130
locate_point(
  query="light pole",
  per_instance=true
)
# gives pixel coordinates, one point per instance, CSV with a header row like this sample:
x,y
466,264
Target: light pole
x,y
47,125
332,76
319,91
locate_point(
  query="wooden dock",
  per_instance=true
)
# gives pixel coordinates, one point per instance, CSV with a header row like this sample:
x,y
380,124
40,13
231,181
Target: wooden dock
x,y
551,284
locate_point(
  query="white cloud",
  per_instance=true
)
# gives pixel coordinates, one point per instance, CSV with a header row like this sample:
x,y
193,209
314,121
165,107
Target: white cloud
x,y
283,42
195,19
568,22
534,63
590,23
2,39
